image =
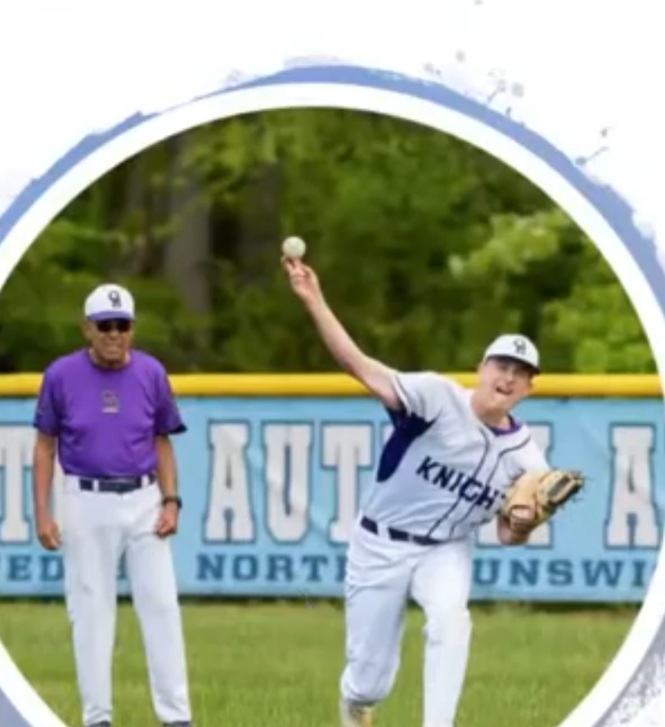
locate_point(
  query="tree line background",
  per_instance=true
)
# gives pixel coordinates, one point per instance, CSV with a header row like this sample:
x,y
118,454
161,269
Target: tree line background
x,y
426,248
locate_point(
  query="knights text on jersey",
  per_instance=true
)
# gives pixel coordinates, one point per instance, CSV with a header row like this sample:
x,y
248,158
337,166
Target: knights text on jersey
x,y
442,472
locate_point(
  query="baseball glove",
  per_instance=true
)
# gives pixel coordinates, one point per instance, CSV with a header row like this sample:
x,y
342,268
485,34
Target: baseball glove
x,y
536,496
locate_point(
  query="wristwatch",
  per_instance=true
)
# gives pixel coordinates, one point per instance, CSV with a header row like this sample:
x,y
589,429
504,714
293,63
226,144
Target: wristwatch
x,y
172,498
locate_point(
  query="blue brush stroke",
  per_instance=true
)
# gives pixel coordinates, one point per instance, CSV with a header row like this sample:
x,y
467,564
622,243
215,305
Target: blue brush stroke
x,y
613,208
36,188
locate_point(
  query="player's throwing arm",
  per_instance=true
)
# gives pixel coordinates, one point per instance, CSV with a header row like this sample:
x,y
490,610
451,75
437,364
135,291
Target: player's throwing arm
x,y
457,458
107,412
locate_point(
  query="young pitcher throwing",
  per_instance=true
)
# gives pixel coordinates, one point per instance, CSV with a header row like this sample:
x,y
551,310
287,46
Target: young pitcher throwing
x,y
455,460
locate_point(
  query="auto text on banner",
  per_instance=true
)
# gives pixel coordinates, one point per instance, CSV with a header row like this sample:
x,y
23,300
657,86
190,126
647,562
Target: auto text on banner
x,y
272,486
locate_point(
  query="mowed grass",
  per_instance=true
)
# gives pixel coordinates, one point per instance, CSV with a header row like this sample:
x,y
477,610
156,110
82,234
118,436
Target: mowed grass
x,y
278,664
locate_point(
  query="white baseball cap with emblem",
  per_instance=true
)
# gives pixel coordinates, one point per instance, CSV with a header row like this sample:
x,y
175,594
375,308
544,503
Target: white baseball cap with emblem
x,y
108,302
515,346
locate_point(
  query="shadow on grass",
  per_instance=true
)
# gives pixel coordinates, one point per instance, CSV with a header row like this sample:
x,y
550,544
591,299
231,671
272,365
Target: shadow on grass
x,y
487,607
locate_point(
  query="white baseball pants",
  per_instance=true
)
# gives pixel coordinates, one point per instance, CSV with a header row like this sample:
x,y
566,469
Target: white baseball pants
x,y
381,576
97,528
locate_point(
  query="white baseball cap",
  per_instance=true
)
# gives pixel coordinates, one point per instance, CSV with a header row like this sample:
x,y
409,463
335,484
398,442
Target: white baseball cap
x,y
108,302
515,346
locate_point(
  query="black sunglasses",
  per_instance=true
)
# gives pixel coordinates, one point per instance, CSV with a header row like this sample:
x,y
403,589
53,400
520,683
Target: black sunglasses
x,y
122,325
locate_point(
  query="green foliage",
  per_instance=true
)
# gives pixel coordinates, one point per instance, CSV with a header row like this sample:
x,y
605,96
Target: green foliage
x,y
426,248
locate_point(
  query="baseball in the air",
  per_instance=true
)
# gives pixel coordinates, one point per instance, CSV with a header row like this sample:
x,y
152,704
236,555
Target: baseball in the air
x,y
294,247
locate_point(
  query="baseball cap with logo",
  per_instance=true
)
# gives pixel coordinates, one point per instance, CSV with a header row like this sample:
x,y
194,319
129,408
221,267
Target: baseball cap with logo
x,y
108,302
515,346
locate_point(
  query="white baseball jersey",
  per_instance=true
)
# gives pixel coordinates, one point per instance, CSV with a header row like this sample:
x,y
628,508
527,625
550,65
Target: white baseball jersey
x,y
443,472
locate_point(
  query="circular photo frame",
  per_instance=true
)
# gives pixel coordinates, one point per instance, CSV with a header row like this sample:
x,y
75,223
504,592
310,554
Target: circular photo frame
x,y
446,96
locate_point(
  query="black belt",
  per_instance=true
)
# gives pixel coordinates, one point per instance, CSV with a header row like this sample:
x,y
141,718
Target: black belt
x,y
119,485
400,535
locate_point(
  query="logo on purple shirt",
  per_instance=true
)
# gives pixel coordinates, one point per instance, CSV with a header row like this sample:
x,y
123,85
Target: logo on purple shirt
x,y
106,420
110,403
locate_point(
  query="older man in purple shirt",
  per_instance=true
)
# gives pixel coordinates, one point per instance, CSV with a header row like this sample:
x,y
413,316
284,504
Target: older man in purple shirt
x,y
107,412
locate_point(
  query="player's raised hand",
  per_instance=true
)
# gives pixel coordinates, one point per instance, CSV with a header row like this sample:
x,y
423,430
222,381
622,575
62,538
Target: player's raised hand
x,y
303,279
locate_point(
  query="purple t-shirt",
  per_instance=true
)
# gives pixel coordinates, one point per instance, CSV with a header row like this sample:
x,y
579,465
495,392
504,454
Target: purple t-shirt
x,y
106,420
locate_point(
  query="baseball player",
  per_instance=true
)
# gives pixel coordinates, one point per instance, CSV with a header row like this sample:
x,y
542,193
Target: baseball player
x,y
443,472
107,412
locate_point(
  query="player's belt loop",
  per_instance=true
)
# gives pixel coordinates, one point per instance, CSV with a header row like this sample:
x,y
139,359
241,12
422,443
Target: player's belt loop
x,y
369,525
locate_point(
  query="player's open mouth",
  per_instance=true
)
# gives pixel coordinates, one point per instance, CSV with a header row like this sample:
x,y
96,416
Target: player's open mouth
x,y
502,391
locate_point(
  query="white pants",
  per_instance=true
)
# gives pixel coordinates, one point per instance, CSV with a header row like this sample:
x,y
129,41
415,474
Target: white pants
x,y
97,529
381,576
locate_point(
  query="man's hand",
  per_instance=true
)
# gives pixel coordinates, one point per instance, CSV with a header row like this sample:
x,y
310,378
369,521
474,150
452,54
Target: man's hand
x,y
510,535
303,279
536,496
167,524
47,531
522,519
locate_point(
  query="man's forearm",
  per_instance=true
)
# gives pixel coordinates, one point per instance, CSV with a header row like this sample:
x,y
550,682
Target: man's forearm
x,y
42,473
167,474
373,374
334,336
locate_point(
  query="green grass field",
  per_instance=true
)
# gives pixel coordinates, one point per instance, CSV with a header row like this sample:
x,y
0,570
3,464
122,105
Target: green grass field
x,y
278,664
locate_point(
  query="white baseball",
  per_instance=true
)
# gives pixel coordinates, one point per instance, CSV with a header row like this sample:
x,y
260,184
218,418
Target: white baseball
x,y
294,247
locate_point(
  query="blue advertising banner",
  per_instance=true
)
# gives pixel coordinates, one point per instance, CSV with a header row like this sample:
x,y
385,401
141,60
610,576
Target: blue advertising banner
x,y
272,486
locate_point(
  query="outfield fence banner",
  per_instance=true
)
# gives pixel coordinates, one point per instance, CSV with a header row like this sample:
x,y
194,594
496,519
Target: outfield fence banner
x,y
271,487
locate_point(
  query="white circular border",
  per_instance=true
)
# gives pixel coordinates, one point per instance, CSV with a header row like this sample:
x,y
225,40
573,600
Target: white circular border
x,y
248,100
